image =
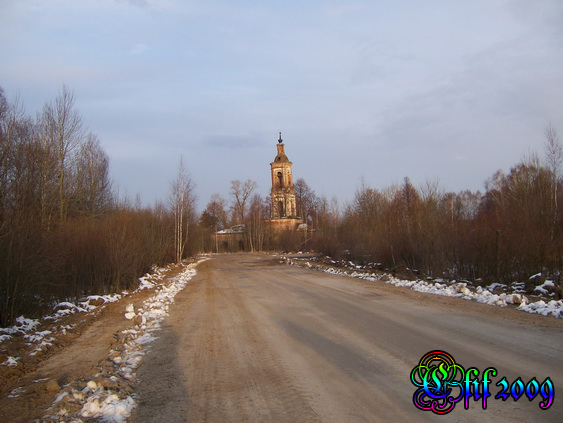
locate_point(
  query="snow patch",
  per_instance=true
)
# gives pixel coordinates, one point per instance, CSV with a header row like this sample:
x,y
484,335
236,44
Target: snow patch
x,y
11,361
545,288
130,312
108,407
16,392
23,326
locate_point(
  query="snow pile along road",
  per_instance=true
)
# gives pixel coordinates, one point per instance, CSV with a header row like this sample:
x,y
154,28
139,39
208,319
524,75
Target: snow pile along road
x,y
109,395
482,295
453,289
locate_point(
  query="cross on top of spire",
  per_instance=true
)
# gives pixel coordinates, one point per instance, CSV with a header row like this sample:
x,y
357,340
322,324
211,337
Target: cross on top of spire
x,y
280,140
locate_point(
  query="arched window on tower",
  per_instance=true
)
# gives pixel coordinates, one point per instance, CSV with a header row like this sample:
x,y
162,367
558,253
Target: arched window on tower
x,y
280,208
280,179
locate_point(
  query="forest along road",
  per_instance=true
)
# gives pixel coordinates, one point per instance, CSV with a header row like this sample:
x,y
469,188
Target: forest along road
x,y
252,340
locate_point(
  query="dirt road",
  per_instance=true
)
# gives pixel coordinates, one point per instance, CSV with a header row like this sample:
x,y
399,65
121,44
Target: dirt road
x,y
249,340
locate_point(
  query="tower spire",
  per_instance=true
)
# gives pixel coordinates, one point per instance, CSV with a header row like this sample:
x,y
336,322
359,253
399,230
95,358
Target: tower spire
x,y
280,139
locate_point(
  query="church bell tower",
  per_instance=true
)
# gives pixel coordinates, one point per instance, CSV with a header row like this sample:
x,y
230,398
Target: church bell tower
x,y
283,191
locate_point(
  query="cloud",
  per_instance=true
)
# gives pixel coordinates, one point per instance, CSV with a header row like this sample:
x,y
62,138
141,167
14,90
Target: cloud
x,y
139,49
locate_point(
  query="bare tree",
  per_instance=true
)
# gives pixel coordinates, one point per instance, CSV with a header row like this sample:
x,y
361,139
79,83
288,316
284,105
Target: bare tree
x,y
182,202
554,160
305,197
241,192
11,116
216,215
64,131
216,208
92,187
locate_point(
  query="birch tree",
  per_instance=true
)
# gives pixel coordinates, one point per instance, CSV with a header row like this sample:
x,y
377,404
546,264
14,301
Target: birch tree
x,y
257,230
182,202
554,161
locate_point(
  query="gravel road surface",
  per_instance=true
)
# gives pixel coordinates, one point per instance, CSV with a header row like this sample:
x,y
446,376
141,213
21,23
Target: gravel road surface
x,y
252,340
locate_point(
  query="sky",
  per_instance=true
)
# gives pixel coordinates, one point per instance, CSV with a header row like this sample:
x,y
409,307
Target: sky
x,y
435,90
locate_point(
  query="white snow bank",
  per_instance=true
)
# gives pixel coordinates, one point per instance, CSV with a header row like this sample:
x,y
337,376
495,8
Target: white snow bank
x,y
149,316
157,275
552,308
109,405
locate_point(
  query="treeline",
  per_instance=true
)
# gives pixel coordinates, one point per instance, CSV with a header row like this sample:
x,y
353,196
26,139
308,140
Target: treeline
x,y
63,231
510,232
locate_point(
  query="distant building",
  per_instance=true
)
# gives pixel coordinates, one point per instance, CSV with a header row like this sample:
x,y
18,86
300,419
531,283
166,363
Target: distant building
x,y
284,209
231,239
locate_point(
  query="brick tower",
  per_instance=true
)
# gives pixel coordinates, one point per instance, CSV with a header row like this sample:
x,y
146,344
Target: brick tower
x,y
283,192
